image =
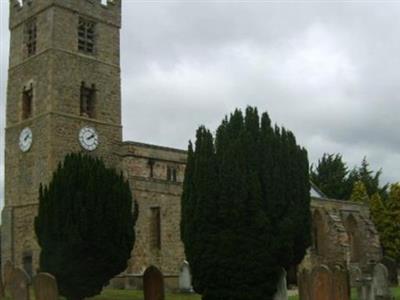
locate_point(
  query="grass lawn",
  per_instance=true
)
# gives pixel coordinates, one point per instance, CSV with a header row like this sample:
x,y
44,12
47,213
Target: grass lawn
x,y
109,294
396,294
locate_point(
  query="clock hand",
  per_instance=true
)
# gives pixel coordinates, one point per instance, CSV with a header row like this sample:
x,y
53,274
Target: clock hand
x,y
26,138
90,137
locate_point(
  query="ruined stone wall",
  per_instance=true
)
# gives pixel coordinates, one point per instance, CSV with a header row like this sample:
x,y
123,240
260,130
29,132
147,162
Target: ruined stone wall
x,y
347,229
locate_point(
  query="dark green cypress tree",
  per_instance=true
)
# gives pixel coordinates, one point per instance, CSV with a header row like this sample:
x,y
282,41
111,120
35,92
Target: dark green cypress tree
x,y
85,226
245,207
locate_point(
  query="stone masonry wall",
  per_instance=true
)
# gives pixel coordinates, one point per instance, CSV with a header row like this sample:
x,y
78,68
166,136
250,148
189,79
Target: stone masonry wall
x,y
336,237
152,192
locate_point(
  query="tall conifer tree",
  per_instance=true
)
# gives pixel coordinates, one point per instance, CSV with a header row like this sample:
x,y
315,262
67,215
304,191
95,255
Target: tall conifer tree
x,y
330,175
85,226
391,230
245,207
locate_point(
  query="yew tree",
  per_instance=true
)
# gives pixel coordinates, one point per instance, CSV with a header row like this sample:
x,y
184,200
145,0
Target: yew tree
x,y
245,207
85,225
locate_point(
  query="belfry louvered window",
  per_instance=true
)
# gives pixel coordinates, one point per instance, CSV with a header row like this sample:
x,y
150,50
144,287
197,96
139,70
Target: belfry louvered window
x,y
30,37
86,36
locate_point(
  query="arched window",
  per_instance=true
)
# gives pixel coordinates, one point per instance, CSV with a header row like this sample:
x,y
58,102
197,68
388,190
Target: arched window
x,y
354,238
319,234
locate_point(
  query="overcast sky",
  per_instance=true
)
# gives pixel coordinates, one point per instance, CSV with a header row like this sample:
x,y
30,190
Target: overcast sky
x,y
327,70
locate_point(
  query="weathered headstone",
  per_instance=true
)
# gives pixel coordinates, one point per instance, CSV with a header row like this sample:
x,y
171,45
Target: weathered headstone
x,y
355,276
303,282
185,281
341,284
19,285
391,266
281,293
7,272
45,286
364,291
321,283
153,284
380,283
2,291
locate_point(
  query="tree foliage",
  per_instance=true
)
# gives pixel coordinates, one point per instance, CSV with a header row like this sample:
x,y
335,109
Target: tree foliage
x,y
386,217
378,213
391,230
85,226
245,207
330,175
359,193
335,180
370,179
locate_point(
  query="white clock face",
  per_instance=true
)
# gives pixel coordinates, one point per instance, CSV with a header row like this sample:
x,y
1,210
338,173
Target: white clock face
x,y
88,138
25,139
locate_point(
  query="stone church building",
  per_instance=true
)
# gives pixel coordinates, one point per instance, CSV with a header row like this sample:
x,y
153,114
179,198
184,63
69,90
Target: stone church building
x,y
64,95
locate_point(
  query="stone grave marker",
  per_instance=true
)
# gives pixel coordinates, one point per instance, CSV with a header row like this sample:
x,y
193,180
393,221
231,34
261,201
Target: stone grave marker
x,y
281,293
364,287
19,285
2,291
7,272
380,283
355,276
153,284
185,280
45,287
391,266
341,283
321,283
303,282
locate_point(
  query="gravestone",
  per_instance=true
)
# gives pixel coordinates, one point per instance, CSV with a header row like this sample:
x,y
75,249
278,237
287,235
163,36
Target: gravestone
x,y
321,283
7,272
2,291
355,276
391,266
303,282
380,283
185,281
45,286
19,285
281,293
341,283
364,291
153,284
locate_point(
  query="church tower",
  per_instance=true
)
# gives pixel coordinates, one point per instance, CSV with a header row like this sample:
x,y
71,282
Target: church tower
x,y
63,96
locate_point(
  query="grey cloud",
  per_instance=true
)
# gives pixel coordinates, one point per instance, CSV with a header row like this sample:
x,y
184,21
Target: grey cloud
x,y
326,70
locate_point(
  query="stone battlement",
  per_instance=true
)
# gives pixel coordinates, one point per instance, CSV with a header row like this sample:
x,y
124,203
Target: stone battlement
x,y
108,11
19,4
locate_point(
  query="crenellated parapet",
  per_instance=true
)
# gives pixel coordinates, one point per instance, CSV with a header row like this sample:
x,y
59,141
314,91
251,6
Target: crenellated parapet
x,y
107,11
